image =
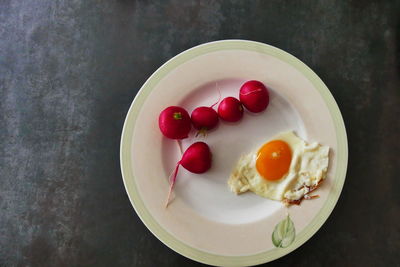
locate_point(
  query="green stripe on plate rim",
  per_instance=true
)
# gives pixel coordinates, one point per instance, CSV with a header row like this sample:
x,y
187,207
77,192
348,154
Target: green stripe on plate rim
x,y
179,246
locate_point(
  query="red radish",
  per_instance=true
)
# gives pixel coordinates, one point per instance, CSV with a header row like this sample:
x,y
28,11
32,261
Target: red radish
x,y
204,118
174,122
254,96
196,159
230,109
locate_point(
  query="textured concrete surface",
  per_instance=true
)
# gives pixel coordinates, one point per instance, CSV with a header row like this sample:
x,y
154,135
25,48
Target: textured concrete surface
x,y
70,69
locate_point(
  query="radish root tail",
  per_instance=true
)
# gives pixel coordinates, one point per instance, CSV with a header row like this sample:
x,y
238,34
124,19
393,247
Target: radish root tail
x,y
172,183
252,92
219,98
179,146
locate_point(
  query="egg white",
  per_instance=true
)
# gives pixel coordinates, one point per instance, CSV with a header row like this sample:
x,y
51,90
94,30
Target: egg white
x,y
308,167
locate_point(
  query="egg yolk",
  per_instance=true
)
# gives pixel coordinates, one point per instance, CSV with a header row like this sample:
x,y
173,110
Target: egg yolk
x,y
273,160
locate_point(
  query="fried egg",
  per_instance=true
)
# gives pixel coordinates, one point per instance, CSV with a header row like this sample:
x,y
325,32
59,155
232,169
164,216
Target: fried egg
x,y
285,168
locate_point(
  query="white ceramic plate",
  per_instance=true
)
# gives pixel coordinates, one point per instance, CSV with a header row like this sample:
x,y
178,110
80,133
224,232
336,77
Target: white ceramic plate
x,y
205,221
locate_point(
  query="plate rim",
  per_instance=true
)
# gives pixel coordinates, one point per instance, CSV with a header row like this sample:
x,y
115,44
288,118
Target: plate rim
x,y
163,235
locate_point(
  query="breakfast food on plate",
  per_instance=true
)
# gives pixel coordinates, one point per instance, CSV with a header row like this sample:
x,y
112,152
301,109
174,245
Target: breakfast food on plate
x,y
285,169
254,96
196,159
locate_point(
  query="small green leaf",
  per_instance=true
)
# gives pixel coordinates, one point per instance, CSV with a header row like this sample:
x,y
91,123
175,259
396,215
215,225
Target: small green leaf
x,y
284,233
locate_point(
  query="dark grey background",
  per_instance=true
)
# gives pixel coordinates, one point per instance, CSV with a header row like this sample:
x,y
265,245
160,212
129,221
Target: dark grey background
x,y
70,69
